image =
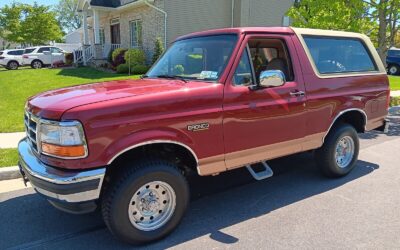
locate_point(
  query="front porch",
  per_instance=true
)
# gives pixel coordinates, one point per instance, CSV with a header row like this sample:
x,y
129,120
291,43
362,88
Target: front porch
x,y
134,25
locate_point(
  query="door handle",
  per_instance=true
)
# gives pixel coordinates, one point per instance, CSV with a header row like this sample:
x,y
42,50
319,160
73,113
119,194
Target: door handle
x,y
297,93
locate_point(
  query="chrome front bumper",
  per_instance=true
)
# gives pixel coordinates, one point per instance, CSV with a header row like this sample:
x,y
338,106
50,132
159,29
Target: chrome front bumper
x,y
59,185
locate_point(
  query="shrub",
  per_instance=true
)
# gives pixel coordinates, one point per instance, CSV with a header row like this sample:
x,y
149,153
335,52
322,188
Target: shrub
x,y
394,101
118,57
139,70
158,50
123,69
69,58
135,57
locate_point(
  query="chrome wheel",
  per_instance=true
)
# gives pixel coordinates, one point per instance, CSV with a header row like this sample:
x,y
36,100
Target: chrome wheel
x,y
344,151
152,206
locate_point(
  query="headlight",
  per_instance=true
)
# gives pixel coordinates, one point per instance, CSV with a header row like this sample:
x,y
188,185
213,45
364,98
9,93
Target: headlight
x,y
62,139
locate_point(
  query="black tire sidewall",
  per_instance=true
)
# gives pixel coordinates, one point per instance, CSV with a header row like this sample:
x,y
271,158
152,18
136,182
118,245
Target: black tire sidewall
x,y
9,65
32,64
397,70
327,157
120,223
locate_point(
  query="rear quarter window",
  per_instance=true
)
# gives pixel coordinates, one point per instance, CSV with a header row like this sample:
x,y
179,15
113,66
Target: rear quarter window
x,y
28,51
333,55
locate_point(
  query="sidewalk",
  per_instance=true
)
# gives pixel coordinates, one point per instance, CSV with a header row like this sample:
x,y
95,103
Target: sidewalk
x,y
395,93
10,140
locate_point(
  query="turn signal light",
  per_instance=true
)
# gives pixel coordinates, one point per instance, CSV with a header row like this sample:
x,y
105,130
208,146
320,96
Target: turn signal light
x,y
63,151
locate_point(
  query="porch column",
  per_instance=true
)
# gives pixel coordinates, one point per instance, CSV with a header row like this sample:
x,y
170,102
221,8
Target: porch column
x,y
96,26
85,28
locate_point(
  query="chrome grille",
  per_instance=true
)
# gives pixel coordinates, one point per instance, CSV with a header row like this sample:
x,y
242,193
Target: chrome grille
x,y
31,123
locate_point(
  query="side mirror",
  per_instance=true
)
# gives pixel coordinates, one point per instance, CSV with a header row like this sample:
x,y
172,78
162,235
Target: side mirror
x,y
272,78
47,53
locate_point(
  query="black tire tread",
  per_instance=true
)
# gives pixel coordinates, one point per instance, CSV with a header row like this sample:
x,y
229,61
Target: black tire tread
x,y
323,154
119,180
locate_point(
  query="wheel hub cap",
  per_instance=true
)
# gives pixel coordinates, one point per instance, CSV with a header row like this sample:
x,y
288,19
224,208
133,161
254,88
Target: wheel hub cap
x,y
344,151
152,206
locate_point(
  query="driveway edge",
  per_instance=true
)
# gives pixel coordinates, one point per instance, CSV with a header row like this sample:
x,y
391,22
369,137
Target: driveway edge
x,y
9,173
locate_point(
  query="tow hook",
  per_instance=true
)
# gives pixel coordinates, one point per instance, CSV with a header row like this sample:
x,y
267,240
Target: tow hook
x,y
24,178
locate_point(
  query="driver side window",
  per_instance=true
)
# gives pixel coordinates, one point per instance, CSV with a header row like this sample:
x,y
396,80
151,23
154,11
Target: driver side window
x,y
243,74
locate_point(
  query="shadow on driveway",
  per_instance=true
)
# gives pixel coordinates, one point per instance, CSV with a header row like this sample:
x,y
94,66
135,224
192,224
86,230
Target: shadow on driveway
x,y
28,221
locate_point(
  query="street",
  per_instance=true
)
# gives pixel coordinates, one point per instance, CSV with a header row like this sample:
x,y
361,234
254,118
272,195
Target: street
x,y
296,208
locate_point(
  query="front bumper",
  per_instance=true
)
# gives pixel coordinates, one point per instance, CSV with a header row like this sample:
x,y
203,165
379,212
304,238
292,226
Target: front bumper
x,y
64,187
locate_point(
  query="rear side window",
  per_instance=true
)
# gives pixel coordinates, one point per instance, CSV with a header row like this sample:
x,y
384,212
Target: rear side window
x,y
394,53
28,51
339,55
41,50
16,52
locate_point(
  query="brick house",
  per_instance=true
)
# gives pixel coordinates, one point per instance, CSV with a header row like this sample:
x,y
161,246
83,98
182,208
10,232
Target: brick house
x,y
109,24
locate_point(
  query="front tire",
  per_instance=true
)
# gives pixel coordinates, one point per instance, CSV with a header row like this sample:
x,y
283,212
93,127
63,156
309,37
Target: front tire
x,y
145,202
339,153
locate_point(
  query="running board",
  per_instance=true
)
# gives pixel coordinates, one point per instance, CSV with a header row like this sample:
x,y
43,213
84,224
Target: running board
x,y
261,175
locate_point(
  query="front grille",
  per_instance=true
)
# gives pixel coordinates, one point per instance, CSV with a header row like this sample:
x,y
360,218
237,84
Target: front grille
x,y
31,123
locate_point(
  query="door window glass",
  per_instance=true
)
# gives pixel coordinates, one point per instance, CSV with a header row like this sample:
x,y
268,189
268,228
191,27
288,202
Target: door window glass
x,y
243,74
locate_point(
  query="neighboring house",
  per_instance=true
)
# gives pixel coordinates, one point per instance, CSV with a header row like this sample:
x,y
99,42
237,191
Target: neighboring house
x,y
74,37
109,24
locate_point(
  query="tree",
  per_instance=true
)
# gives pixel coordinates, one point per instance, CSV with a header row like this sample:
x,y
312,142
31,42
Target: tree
x,y
158,49
29,24
386,13
378,19
66,15
345,15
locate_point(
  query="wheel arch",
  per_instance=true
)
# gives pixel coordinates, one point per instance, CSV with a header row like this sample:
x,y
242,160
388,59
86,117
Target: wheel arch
x,y
13,61
163,148
354,116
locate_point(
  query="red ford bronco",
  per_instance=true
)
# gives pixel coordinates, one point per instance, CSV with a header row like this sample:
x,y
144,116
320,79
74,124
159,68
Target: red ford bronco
x,y
215,101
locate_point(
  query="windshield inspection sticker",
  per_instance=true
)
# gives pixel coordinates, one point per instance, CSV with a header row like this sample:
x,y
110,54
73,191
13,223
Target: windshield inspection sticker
x,y
209,75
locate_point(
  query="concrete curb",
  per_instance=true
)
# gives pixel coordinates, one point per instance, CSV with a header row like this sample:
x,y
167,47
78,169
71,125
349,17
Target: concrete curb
x,y
9,173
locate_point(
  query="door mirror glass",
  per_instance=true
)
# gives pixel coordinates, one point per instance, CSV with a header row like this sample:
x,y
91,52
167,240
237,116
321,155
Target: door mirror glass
x,y
272,78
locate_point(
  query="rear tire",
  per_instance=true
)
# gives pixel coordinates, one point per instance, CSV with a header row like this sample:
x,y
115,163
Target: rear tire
x,y
13,65
37,64
339,153
394,70
145,202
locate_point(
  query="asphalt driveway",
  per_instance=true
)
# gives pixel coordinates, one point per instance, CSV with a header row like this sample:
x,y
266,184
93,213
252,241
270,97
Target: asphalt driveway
x,y
296,208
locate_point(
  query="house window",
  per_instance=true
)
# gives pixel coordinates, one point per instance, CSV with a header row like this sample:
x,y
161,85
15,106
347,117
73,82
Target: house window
x,y
102,36
136,33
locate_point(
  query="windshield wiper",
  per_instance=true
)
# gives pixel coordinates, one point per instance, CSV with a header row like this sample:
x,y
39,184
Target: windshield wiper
x,y
172,77
143,76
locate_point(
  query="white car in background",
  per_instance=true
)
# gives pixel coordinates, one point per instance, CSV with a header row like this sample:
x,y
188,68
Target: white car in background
x,y
38,57
11,58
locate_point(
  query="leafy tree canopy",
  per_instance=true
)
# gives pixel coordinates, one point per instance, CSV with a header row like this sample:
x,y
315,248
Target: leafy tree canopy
x,y
29,24
67,16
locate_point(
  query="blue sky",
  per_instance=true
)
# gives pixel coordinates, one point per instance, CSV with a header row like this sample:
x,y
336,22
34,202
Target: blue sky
x,y
42,2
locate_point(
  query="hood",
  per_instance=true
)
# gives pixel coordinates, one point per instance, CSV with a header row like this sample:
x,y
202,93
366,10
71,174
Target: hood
x,y
52,104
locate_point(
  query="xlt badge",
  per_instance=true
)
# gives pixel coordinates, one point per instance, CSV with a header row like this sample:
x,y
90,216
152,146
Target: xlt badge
x,y
198,127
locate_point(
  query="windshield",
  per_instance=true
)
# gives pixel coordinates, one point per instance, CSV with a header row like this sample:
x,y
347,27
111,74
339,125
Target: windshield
x,y
199,58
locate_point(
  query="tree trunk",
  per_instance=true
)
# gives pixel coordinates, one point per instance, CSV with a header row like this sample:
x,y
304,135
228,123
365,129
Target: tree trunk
x,y
382,40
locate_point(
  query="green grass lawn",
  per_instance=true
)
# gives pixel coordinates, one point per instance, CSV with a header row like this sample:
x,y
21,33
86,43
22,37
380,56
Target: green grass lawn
x,y
394,82
8,157
16,86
